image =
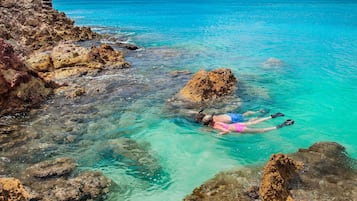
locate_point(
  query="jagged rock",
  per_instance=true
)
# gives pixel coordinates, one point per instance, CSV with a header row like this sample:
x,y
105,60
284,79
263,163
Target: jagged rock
x,y
67,60
11,189
206,86
277,173
20,88
107,55
40,62
32,27
69,55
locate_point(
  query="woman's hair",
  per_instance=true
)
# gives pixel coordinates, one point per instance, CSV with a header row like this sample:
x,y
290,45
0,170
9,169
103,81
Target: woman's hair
x,y
199,116
208,121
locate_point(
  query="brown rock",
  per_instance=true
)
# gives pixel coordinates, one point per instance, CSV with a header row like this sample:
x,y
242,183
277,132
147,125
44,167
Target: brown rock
x,y
206,86
277,173
52,168
107,55
40,62
11,189
127,46
20,88
32,27
69,55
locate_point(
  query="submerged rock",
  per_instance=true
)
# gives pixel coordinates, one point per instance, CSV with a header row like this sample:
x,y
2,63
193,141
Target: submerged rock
x,y
56,180
137,159
52,168
327,173
273,63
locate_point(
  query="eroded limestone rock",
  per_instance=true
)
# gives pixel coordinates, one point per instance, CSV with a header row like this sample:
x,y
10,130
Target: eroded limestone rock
x,y
277,173
20,88
11,189
206,86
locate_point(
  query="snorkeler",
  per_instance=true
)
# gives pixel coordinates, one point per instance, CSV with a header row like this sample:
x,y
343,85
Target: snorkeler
x,y
243,127
229,117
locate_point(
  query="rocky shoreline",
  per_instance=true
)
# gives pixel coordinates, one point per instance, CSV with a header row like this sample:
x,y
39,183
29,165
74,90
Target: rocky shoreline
x,y
41,60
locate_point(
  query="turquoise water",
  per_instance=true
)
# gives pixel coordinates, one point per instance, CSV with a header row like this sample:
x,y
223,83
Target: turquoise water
x,y
315,85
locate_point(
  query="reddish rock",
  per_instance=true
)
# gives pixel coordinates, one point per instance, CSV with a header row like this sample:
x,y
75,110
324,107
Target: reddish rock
x,y
11,189
206,86
20,88
277,173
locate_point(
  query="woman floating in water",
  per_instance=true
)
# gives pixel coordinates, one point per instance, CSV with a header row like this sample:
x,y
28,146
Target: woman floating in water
x,y
226,118
243,127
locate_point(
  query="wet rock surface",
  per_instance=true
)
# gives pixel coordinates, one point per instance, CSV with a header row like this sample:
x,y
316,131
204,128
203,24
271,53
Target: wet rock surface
x,y
53,168
69,60
327,174
207,86
56,179
12,189
20,88
30,26
276,177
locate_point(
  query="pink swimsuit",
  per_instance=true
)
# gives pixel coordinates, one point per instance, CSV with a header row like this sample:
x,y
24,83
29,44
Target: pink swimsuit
x,y
238,126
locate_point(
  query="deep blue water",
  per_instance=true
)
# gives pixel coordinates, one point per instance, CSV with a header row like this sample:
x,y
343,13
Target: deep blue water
x,y
315,85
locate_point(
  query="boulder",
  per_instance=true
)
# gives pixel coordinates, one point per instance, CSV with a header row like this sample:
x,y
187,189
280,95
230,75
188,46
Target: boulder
x,y
11,189
52,168
57,180
277,173
207,86
20,88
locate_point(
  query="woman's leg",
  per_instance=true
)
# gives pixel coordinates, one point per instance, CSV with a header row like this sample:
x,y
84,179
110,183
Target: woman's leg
x,y
258,130
248,113
257,121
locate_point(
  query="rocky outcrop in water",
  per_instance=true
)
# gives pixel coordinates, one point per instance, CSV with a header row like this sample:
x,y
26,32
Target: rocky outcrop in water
x,y
327,174
52,168
277,173
67,59
20,88
207,86
30,26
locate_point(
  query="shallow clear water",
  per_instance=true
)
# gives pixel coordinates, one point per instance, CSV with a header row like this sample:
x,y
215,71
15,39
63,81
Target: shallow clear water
x,y
315,85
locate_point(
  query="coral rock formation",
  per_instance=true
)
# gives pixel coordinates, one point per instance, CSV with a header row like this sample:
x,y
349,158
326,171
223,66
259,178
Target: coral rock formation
x,y
11,189
277,173
206,86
